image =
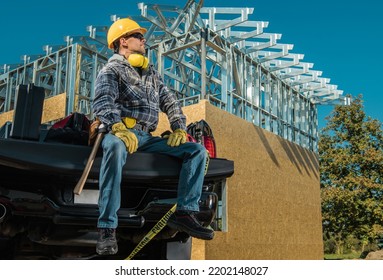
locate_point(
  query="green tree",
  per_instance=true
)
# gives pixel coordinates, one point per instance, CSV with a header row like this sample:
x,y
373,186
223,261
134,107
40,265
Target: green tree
x,y
351,168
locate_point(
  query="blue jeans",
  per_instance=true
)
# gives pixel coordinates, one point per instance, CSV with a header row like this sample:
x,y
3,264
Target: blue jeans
x,y
191,177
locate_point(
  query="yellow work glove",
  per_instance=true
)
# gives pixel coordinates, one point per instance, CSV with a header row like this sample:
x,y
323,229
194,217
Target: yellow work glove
x,y
177,137
129,138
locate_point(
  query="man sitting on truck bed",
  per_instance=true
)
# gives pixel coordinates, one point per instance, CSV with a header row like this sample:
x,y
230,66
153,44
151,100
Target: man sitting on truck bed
x,y
129,94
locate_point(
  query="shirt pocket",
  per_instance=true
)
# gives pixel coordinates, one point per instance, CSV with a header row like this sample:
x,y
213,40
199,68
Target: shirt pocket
x,y
132,90
153,95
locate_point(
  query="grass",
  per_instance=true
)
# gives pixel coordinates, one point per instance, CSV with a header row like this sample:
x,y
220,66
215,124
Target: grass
x,y
349,256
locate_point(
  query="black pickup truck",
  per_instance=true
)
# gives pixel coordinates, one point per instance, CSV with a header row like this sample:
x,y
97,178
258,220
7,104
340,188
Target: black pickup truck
x,y
41,217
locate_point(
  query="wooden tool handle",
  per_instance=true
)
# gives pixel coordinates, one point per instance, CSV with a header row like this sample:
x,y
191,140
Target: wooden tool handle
x,y
80,184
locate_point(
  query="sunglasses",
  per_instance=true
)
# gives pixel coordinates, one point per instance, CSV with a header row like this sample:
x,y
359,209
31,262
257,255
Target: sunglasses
x,y
138,36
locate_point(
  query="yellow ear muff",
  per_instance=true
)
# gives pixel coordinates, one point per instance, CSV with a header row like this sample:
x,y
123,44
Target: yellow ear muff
x,y
138,60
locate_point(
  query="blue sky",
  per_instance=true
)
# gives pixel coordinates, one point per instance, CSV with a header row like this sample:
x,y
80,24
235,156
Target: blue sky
x,y
342,38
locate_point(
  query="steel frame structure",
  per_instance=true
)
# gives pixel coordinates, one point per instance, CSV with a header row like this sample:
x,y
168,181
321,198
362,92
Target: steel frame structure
x,y
214,53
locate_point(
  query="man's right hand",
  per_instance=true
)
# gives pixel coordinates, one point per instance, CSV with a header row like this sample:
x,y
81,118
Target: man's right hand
x,y
129,138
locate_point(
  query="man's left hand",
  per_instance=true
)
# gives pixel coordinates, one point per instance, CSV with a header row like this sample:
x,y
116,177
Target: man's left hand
x,y
177,138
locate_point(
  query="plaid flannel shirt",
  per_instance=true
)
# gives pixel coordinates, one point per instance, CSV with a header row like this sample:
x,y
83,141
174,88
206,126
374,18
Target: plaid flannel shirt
x,y
121,92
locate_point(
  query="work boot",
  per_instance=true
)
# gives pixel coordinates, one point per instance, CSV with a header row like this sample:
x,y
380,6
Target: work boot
x,y
187,222
107,242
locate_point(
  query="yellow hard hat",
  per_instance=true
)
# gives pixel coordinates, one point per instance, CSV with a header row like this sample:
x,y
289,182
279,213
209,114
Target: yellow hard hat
x,y
124,26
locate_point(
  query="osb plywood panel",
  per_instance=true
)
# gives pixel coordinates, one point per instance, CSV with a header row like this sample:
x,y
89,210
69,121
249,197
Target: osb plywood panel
x,y
53,109
273,198
5,117
198,249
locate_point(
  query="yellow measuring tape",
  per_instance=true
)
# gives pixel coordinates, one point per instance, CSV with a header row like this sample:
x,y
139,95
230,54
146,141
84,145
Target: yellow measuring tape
x,y
153,232
160,224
